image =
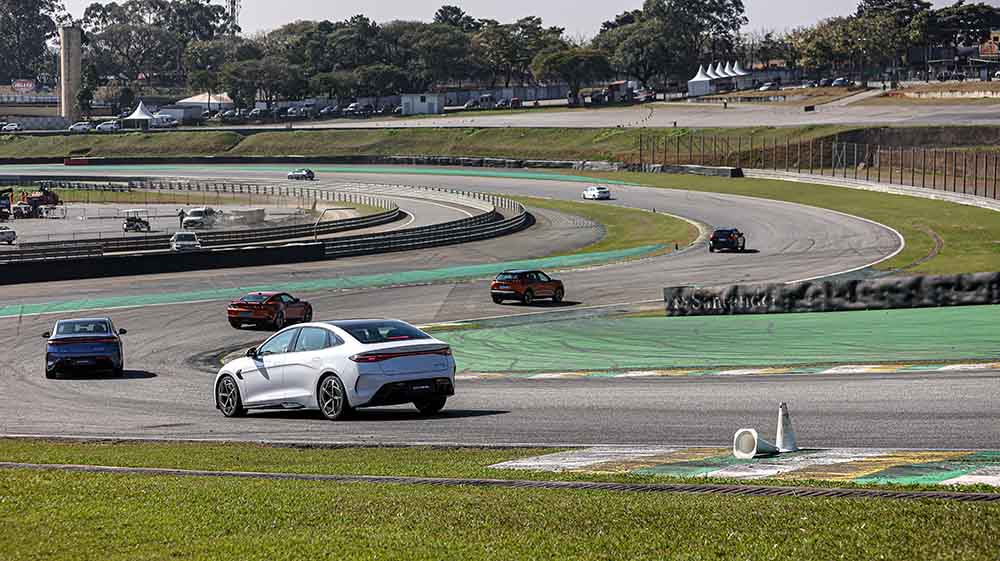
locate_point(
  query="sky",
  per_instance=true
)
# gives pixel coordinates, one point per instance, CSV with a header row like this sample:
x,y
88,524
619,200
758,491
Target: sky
x,y
581,18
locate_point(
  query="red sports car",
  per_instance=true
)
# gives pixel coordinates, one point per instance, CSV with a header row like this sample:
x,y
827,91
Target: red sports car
x,y
276,309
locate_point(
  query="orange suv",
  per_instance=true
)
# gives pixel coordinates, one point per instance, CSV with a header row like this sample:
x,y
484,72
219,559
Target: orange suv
x,y
526,286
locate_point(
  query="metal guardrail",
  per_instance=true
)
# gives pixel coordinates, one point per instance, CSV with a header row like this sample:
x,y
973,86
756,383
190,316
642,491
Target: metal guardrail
x,y
501,216
28,255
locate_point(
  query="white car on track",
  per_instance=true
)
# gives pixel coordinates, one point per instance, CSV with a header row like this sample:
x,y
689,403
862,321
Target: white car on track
x,y
337,366
205,217
597,193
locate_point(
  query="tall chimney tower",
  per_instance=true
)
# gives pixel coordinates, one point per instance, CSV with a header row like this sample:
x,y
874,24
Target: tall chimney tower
x,y
70,77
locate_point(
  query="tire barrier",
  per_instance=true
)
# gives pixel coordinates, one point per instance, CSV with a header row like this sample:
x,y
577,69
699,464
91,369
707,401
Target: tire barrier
x,y
836,295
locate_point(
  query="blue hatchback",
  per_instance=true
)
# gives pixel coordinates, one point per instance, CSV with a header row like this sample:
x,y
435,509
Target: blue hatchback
x,y
88,344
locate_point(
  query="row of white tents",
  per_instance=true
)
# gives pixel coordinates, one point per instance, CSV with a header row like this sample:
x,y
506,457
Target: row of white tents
x,y
707,81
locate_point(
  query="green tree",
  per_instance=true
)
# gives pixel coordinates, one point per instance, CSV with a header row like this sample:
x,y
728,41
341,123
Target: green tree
x,y
457,18
25,27
379,80
574,66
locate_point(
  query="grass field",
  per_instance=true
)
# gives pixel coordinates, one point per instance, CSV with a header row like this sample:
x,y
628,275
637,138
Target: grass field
x,y
70,516
550,143
971,235
64,516
625,228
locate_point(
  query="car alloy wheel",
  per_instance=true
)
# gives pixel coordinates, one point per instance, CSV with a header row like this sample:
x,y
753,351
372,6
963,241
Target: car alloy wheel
x,y
558,295
279,320
332,398
308,316
528,297
227,398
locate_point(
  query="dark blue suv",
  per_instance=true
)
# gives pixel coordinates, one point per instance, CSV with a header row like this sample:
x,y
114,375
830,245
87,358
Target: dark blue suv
x,y
88,344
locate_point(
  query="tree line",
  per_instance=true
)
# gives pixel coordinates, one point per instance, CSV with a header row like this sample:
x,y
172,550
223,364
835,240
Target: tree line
x,y
192,45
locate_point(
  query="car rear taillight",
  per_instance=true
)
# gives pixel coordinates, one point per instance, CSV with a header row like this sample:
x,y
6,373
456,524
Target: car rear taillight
x,y
80,340
382,356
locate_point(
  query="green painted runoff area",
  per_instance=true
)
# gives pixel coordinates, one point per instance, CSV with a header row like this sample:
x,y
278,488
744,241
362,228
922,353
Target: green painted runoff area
x,y
384,170
605,344
336,283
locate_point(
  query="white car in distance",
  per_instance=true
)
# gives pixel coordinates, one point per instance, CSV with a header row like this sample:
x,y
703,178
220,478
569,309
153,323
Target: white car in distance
x,y
12,127
338,366
204,217
82,126
108,126
184,241
597,193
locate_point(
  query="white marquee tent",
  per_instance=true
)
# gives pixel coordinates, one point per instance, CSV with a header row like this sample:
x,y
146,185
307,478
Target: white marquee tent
x,y
701,84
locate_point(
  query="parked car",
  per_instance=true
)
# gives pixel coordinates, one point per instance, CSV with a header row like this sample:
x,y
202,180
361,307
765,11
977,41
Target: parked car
x,y
810,84
12,127
257,113
338,366
825,83
841,83
108,126
515,103
302,173
503,103
526,286
330,111
727,238
471,104
184,241
769,87
76,345
7,235
82,126
204,217
275,309
292,113
597,193
164,122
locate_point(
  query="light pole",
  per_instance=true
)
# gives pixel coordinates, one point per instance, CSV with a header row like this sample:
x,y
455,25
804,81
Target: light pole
x,y
316,226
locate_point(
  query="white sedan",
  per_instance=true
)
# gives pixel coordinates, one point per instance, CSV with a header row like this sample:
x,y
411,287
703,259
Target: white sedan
x,y
12,127
82,126
338,366
597,192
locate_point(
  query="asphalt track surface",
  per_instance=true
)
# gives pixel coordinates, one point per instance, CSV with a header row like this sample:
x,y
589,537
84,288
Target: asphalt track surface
x,y
168,392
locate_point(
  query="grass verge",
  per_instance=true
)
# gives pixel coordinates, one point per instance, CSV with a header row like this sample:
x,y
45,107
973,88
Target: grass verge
x,y
971,235
618,144
625,228
70,516
411,461
176,143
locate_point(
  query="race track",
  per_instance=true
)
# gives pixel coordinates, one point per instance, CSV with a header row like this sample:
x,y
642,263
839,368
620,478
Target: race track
x,y
168,392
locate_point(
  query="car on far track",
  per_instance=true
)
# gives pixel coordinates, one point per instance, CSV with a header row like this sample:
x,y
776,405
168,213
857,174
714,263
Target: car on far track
x,y
769,87
12,127
305,174
526,286
7,235
82,126
338,366
727,238
84,344
275,309
597,193
202,217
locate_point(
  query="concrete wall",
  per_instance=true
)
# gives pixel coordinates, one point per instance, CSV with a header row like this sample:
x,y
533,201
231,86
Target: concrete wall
x,y
834,296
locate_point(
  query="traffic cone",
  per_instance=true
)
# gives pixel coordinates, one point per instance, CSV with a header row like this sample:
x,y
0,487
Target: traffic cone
x,y
748,445
785,437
